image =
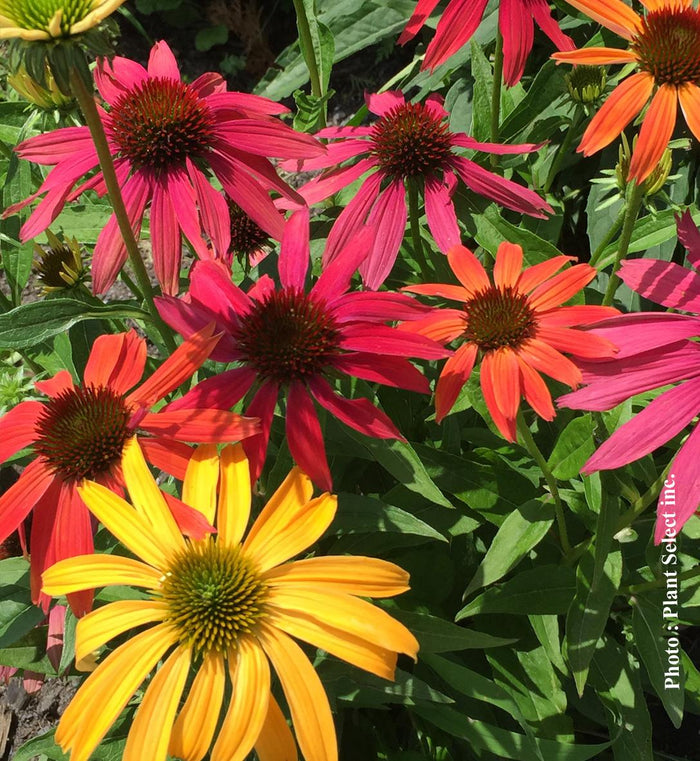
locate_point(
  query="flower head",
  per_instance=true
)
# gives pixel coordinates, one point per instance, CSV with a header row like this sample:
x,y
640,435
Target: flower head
x,y
166,137
410,143
655,351
80,432
222,605
664,44
51,19
61,266
294,341
516,326
461,18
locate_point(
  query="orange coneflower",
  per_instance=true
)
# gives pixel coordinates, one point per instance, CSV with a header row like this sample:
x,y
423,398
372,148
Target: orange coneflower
x,y
225,608
515,326
665,45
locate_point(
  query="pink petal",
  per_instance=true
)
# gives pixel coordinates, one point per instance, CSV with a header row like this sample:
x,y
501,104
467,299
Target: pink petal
x,y
515,24
294,253
689,236
18,428
388,219
465,141
458,23
162,63
165,238
372,306
212,287
381,103
542,14
182,198
263,407
54,636
661,420
423,9
208,84
213,210
381,339
336,153
272,139
326,185
116,77
440,212
359,414
305,438
221,391
665,283
53,147
230,105
336,274
391,371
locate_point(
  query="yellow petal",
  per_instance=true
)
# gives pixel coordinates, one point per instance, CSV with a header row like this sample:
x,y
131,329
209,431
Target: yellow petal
x,y
89,571
361,653
303,530
196,722
276,742
55,23
95,17
308,702
293,493
149,735
125,523
361,576
250,677
148,499
108,689
344,613
30,35
112,620
234,499
201,479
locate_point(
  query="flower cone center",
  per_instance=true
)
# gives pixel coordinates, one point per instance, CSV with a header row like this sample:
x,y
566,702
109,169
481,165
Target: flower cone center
x,y
411,141
288,336
214,596
38,14
499,317
159,123
246,235
81,432
668,47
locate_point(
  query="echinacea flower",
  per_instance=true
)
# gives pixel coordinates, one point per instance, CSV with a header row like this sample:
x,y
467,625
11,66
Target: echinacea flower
x,y
516,326
292,341
461,18
222,606
410,143
165,135
655,351
80,432
664,44
50,19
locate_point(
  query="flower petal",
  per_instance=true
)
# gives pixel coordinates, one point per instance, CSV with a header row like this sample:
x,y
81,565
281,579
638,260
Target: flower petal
x,y
689,98
294,253
18,428
235,496
508,266
205,426
16,503
304,436
89,571
656,131
469,270
454,375
116,361
613,14
276,742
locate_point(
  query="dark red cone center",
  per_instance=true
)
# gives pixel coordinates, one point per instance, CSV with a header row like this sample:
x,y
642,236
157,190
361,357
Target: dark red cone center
x,y
499,317
669,45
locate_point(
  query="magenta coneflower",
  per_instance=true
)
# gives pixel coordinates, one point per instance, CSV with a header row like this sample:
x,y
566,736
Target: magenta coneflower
x,y
411,142
293,341
461,18
165,137
654,352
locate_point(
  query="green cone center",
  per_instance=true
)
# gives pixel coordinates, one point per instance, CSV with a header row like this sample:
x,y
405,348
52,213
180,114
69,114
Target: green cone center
x,y
38,14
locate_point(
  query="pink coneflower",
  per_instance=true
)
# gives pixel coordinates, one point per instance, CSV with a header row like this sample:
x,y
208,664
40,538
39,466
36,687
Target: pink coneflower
x,y
654,352
516,327
80,432
461,18
293,341
165,137
411,143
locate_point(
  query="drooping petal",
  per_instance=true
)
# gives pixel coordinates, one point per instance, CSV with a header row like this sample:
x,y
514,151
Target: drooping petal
x,y
304,436
18,428
457,24
542,14
622,105
116,361
535,390
488,382
308,703
40,539
613,14
454,375
213,210
517,29
388,220
235,496
16,503
656,131
689,235
201,480
190,522
262,406
204,426
165,237
689,98
665,283
276,742
440,213
294,254
194,727
421,12
250,679
88,571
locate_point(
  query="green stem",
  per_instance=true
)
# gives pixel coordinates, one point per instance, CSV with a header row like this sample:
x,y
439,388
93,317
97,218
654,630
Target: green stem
x,y
563,149
612,232
414,217
634,589
496,93
640,505
529,443
87,105
307,49
634,203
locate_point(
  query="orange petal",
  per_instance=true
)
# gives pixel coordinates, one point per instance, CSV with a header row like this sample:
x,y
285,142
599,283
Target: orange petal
x,y
622,105
489,382
689,97
506,388
469,270
561,287
547,360
613,14
443,325
454,375
538,273
655,133
595,56
577,342
276,742
454,292
508,266
536,391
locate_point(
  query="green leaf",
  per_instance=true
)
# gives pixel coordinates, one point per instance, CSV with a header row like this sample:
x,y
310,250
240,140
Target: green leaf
x,y
310,109
546,628
18,615
365,515
615,678
522,530
574,446
648,628
542,590
483,85
43,745
33,323
438,636
211,36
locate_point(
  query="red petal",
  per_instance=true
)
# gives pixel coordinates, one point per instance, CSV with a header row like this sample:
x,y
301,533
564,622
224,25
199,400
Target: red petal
x,y
263,407
17,502
203,426
167,455
191,522
52,387
116,361
305,438
18,428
